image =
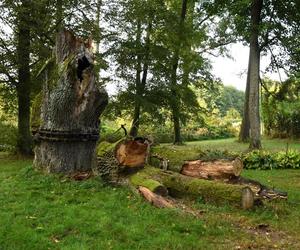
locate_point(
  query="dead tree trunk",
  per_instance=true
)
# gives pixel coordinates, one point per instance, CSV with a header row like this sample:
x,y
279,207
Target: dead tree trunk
x,y
71,106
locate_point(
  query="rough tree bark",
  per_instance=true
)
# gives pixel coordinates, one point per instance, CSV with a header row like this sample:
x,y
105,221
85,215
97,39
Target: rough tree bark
x,y
174,99
137,103
254,63
24,143
245,126
71,106
140,84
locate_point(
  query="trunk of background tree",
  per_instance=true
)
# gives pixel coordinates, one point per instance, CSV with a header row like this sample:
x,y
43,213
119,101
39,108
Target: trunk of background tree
x,y
59,15
245,126
136,116
71,106
24,143
140,84
255,136
176,125
175,99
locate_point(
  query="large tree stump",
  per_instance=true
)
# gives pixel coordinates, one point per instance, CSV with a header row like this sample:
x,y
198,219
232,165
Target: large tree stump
x,y
71,106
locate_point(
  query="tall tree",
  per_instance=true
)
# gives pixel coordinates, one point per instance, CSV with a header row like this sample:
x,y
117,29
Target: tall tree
x,y
254,81
277,29
174,100
24,85
140,81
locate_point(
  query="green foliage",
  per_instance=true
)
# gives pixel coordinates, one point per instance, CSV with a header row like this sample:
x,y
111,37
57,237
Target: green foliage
x,y
280,106
264,160
8,135
230,98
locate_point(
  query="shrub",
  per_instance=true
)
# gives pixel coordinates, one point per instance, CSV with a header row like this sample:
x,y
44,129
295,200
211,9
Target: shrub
x,y
267,160
8,135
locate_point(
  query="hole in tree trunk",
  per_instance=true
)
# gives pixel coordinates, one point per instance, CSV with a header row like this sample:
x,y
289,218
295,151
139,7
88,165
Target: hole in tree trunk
x,y
83,63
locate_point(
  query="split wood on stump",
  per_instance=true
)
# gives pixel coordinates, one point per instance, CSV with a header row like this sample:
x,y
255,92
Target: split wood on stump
x,y
155,199
71,105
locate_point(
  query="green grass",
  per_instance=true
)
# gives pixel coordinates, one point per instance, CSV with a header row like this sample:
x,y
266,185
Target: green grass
x,y
47,212
39,211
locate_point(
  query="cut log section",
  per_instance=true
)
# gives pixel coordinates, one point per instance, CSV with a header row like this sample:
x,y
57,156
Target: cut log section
x,y
154,199
189,187
121,158
132,152
212,170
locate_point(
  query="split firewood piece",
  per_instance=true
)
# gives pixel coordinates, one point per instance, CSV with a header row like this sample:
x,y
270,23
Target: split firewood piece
x,y
247,198
212,170
155,199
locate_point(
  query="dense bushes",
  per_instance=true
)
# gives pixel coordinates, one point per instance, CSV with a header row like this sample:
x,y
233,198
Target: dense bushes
x,y
281,109
8,135
163,134
267,160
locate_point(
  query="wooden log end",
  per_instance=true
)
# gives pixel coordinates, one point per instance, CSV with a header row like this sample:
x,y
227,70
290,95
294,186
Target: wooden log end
x,y
247,198
237,166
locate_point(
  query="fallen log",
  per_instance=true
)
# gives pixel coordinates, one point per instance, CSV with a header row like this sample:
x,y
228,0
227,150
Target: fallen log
x,y
154,199
122,157
212,170
229,172
185,186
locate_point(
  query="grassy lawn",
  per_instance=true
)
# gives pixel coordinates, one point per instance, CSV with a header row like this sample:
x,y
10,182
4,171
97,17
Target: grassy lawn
x,y
39,211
